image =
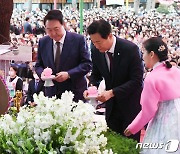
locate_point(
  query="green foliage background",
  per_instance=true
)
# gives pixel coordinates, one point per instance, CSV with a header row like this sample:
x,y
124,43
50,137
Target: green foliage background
x,y
163,9
120,144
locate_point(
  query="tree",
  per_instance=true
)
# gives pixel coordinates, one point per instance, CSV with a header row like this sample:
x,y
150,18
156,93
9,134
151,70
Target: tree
x,y
163,9
6,9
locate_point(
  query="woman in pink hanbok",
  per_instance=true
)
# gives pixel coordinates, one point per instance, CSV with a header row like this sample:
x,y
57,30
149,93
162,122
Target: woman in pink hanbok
x,y
160,101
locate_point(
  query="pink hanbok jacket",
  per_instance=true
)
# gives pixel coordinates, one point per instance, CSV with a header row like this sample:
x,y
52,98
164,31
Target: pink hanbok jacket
x,y
160,85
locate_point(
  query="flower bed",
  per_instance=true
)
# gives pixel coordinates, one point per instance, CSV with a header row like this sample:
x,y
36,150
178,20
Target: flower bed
x,y
59,126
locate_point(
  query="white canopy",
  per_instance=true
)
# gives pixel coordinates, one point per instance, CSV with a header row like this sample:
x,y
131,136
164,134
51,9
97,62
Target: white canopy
x,y
114,2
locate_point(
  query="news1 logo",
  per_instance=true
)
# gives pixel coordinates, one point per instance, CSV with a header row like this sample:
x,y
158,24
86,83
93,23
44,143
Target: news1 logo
x,y
172,146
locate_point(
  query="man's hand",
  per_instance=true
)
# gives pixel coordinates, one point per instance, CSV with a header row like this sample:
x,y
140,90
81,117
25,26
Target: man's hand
x,y
127,132
32,104
105,95
61,76
42,76
85,94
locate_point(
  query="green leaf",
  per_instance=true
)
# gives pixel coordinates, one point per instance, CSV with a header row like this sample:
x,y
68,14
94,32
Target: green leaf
x,y
120,144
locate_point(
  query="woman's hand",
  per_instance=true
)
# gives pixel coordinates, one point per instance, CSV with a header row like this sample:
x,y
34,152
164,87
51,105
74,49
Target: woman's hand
x,y
127,132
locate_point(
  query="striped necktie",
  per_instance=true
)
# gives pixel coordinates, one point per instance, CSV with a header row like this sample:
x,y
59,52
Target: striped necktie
x,y
57,57
110,56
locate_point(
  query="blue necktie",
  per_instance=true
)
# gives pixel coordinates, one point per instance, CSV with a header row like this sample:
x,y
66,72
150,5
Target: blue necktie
x,y
36,85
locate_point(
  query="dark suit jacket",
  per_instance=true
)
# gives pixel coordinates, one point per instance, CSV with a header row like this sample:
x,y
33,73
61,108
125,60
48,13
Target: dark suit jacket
x,y
126,80
32,90
74,58
27,28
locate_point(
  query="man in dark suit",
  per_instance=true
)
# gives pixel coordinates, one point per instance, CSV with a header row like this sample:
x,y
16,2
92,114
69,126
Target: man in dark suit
x,y
35,86
27,26
66,54
119,62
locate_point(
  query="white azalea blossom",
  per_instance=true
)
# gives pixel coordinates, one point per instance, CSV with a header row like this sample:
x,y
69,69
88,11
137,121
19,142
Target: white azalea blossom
x,y
54,117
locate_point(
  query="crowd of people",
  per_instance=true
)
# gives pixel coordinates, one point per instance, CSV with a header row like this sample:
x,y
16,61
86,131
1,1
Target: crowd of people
x,y
127,25
118,47
28,27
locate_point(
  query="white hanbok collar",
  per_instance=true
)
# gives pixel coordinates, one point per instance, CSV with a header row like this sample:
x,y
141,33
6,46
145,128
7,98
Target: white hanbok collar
x,y
157,64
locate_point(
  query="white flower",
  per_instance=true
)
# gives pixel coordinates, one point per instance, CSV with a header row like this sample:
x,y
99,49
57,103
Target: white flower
x,y
52,152
46,136
108,151
20,143
57,130
9,143
54,116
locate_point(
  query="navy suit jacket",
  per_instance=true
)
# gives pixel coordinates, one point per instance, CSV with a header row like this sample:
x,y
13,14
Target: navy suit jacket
x,y
126,79
32,90
74,59
27,27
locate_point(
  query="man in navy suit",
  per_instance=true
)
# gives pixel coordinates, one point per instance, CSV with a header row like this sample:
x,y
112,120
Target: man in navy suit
x,y
35,86
119,62
66,54
27,26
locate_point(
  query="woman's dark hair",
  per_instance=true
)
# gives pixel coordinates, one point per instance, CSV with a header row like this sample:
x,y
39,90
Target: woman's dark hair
x,y
54,15
14,68
173,60
100,26
159,47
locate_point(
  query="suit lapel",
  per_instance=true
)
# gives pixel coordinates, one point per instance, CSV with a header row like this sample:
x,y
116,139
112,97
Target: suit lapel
x,y
66,49
33,86
116,59
50,56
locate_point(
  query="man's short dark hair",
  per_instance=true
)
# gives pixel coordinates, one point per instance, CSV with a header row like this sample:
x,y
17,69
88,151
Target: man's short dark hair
x,y
27,18
100,26
54,15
